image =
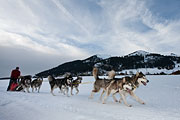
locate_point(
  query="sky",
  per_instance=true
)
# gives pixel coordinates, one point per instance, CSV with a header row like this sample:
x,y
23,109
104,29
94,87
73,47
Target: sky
x,y
37,35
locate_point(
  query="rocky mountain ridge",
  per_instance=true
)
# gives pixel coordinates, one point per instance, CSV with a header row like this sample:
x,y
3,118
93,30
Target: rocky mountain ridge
x,y
136,60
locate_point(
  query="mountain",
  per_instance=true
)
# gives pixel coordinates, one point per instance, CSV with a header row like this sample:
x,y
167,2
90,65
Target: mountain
x,y
136,60
139,53
74,67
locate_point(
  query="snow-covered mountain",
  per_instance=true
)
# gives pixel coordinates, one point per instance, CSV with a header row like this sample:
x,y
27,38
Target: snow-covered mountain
x,y
149,63
139,53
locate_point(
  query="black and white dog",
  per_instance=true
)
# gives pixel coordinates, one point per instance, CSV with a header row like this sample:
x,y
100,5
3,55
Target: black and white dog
x,y
138,79
61,83
36,84
25,82
75,84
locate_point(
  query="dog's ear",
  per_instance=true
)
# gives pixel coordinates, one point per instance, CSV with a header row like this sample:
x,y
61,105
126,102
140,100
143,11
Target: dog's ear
x,y
137,74
141,73
124,80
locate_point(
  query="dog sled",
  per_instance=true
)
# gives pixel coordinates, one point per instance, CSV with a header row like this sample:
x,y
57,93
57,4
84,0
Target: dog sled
x,y
16,87
13,86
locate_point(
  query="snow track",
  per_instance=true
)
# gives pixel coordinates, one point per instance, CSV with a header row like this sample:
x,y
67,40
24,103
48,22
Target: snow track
x,y
161,95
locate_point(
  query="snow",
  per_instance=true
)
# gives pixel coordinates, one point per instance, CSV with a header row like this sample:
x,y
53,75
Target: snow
x,y
151,70
103,56
161,95
139,53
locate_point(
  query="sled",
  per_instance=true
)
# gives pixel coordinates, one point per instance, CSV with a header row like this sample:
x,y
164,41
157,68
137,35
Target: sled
x,y
13,86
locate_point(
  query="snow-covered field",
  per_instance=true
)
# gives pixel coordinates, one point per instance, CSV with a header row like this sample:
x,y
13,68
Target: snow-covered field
x,y
161,95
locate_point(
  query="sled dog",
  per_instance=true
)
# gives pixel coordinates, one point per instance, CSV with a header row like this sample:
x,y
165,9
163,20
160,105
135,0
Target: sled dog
x,y
100,83
136,80
36,84
109,85
75,84
61,83
25,82
121,86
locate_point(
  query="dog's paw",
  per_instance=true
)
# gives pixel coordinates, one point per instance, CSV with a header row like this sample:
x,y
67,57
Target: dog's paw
x,y
143,103
116,100
129,105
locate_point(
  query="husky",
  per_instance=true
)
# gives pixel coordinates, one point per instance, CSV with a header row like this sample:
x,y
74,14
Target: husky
x,y
110,85
36,84
75,84
99,83
25,82
62,83
136,81
121,86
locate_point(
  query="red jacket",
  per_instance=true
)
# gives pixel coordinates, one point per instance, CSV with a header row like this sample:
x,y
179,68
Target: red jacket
x,y
15,74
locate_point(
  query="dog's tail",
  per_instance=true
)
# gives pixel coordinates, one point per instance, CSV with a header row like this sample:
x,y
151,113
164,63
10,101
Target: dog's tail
x,y
111,74
95,73
50,78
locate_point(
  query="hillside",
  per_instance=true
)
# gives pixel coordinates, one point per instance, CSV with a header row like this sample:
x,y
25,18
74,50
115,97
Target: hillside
x,y
176,72
136,60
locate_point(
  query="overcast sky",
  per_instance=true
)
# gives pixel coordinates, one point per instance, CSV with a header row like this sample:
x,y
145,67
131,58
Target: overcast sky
x,y
37,35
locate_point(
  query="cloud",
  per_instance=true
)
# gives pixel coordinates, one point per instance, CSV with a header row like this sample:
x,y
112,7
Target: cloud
x,y
29,61
70,16
66,30
134,26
